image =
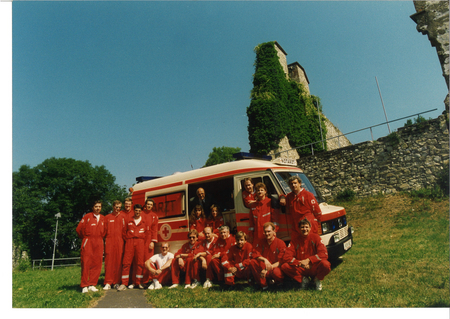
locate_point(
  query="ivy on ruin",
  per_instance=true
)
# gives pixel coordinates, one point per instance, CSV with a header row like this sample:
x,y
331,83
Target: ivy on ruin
x,y
279,107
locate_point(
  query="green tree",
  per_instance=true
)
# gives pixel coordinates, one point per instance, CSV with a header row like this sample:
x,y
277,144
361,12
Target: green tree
x,y
58,185
221,155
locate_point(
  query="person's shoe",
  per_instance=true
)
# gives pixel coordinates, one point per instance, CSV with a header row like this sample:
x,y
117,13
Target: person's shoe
x,y
92,288
265,287
207,284
187,286
194,284
173,286
116,286
318,284
158,286
84,290
152,286
121,288
131,286
107,287
141,286
305,283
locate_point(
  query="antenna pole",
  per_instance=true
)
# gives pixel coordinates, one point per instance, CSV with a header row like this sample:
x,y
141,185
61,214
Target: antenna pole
x,y
383,106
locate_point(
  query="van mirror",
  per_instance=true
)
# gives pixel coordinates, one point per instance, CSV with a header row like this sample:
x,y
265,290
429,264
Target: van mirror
x,y
275,201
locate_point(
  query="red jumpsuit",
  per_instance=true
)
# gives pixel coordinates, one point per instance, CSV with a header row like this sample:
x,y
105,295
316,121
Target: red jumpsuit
x,y
248,197
215,224
114,245
301,248
188,268
260,213
199,225
220,248
151,220
91,233
208,247
239,258
303,205
134,236
273,253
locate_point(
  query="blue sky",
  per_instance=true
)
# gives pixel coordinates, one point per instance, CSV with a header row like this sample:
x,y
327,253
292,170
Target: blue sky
x,y
149,88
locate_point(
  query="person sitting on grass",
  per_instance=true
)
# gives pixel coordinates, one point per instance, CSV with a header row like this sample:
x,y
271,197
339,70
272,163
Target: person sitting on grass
x,y
159,267
306,257
236,262
184,262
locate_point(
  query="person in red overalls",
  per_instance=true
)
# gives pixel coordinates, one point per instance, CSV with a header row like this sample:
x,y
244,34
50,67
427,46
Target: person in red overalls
x,y
134,235
114,244
203,258
184,261
151,238
236,262
220,248
260,213
301,204
91,230
215,220
248,194
197,221
305,257
268,257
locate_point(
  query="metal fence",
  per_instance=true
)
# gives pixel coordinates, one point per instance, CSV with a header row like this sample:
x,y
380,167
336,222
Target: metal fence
x,y
62,262
366,128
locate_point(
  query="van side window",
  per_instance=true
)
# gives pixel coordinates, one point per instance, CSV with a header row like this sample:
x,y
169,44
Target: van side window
x,y
170,205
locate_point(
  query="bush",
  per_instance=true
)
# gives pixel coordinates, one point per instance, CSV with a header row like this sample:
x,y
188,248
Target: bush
x,y
442,180
346,195
434,193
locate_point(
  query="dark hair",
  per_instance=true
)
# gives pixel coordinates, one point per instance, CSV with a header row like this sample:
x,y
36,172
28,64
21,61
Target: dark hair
x,y
304,221
137,206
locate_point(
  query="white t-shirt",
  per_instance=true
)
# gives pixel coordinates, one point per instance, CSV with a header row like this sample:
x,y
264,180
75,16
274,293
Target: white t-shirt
x,y
159,260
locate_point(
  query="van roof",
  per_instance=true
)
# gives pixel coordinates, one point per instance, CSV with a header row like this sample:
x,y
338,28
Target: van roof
x,y
211,172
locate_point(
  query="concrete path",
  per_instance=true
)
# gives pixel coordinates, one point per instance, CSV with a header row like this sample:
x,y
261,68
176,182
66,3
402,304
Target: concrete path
x,y
130,298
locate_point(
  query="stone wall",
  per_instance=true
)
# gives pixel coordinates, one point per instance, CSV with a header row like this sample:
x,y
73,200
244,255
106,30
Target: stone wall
x,y
409,159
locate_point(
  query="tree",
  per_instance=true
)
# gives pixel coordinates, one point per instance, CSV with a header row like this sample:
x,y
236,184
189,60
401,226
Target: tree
x,y
221,155
58,185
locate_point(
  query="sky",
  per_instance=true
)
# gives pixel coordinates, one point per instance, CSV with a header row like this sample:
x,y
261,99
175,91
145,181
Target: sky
x,y
150,87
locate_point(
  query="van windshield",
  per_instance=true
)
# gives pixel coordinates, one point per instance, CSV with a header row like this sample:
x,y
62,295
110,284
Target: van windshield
x,y
283,179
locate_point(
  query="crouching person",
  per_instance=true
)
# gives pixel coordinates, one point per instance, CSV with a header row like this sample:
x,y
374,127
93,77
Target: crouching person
x,y
306,257
268,257
236,262
159,267
184,262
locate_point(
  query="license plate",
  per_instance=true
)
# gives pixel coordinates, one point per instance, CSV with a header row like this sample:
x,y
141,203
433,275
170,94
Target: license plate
x,y
347,245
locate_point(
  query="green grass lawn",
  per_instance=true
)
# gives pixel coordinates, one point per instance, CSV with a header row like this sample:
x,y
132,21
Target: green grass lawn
x,y
400,258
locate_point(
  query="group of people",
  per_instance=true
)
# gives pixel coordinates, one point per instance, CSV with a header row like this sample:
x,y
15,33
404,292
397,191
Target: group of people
x,y
126,237
211,253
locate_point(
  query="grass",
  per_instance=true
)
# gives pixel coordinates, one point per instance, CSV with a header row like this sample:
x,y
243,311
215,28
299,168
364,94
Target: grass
x,y
59,288
400,258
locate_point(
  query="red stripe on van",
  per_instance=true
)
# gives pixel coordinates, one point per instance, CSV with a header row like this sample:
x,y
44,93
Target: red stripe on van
x,y
158,187
229,173
326,217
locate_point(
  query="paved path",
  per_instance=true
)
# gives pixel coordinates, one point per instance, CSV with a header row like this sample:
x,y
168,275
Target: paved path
x,y
130,298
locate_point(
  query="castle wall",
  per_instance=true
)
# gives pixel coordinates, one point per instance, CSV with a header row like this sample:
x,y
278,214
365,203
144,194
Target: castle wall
x,y
408,159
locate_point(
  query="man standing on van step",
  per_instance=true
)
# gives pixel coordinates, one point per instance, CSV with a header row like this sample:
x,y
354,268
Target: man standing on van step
x,y
184,262
305,257
267,257
203,200
91,230
114,244
301,204
151,238
220,248
134,235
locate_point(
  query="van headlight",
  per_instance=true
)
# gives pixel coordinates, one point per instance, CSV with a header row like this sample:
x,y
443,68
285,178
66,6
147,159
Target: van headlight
x,y
336,237
325,228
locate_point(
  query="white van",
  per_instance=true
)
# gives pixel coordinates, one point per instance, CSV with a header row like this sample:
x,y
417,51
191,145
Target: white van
x,y
224,183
